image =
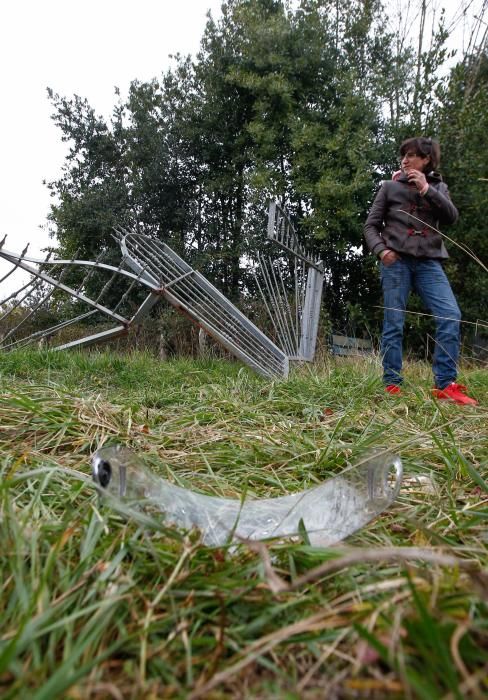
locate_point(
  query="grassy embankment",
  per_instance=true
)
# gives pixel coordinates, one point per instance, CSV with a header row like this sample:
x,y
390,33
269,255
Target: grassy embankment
x,y
95,604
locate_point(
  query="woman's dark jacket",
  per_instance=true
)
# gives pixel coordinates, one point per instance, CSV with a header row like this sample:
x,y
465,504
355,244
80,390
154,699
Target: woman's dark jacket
x,y
393,221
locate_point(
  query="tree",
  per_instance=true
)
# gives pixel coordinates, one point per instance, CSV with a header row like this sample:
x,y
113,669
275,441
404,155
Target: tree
x,y
463,122
303,104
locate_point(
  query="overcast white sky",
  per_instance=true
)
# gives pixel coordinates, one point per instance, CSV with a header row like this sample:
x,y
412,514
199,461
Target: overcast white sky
x,y
84,47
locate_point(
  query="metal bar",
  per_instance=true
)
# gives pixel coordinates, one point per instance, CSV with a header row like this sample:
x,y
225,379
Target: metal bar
x,y
178,279
198,285
69,290
145,307
281,230
10,272
12,257
302,300
127,292
48,331
14,294
228,325
266,303
109,283
289,317
191,292
308,286
26,318
278,306
229,331
90,272
34,284
37,306
272,313
96,338
208,309
275,305
233,348
297,300
211,305
135,264
280,303
311,314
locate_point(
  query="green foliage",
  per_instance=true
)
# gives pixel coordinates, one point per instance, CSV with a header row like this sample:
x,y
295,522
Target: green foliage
x,y
464,131
304,103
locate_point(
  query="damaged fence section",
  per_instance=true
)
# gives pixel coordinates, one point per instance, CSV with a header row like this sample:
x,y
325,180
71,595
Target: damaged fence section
x,y
64,294
291,288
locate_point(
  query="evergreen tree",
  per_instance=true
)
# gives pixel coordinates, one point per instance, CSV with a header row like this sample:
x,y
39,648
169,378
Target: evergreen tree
x,y
463,130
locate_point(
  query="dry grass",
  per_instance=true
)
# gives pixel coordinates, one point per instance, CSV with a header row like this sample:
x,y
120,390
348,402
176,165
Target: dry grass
x,y
99,602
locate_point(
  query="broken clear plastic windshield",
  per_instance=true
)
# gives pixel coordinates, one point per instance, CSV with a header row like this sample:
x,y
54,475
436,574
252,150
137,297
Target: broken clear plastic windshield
x,y
328,512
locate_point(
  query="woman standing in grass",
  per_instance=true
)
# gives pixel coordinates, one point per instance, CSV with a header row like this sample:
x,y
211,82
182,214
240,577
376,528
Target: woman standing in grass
x,y
400,231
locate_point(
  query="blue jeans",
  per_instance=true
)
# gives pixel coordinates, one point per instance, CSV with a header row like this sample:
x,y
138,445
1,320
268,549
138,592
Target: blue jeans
x,y
428,279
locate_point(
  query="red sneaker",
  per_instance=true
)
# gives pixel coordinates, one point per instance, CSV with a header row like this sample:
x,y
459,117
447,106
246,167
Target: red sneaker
x,y
393,389
454,392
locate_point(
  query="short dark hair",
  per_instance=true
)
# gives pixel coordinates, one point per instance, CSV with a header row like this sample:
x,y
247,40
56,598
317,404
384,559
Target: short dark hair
x,y
425,147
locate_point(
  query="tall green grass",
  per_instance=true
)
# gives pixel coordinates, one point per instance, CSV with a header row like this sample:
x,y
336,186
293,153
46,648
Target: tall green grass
x,y
100,601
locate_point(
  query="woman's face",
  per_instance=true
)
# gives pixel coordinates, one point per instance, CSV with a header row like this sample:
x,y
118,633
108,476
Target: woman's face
x,y
412,161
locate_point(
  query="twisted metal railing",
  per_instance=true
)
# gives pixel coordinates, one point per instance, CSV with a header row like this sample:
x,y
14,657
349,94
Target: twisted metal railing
x,y
150,266
293,305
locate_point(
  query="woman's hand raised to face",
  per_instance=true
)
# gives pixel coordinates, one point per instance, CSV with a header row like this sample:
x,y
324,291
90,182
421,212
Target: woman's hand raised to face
x,y
417,178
